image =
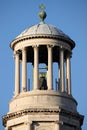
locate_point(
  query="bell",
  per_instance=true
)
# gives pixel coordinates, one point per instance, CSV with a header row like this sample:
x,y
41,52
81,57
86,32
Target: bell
x,y
42,83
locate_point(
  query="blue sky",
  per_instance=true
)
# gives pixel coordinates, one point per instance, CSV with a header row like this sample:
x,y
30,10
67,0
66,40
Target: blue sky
x,y
68,15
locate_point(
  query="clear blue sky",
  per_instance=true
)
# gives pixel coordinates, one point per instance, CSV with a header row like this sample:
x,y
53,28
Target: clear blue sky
x,y
68,15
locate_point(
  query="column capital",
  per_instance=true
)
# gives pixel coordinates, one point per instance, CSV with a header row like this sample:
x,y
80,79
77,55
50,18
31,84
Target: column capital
x,y
18,52
35,46
50,46
28,122
24,48
69,54
28,125
59,122
62,48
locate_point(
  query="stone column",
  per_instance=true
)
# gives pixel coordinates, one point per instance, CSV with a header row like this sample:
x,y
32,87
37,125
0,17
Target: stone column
x,y
28,124
50,69
68,74
24,70
6,128
57,125
62,78
36,68
59,88
17,73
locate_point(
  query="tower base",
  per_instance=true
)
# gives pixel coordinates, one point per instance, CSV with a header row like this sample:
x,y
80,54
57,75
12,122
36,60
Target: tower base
x,y
43,110
39,119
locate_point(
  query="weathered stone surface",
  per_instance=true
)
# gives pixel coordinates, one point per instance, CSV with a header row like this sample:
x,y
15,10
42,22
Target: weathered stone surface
x,y
43,99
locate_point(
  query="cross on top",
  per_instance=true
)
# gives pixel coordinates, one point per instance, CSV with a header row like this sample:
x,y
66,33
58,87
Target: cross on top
x,y
42,7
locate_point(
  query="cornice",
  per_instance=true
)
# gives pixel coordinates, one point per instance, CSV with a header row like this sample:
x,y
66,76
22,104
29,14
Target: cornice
x,y
46,111
61,38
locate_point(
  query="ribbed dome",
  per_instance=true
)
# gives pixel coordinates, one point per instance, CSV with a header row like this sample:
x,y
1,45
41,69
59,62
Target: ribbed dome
x,y
42,28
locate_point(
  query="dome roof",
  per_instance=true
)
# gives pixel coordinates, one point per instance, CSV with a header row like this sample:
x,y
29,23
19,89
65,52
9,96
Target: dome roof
x,y
44,29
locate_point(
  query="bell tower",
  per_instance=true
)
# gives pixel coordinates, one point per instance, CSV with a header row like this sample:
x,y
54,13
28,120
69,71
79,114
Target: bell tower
x,y
44,106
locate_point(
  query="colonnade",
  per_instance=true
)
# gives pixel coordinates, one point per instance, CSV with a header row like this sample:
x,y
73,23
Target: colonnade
x,y
61,70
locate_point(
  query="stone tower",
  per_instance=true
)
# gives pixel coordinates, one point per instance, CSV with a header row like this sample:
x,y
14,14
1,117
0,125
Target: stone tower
x,y
44,106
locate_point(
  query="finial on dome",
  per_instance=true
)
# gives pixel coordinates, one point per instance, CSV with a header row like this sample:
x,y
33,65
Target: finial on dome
x,y
42,14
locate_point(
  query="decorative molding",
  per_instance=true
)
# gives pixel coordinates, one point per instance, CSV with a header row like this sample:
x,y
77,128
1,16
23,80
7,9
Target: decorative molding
x,y
46,111
61,38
